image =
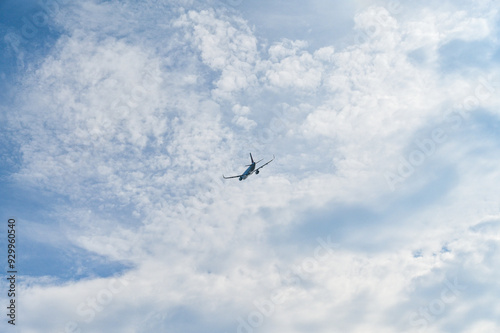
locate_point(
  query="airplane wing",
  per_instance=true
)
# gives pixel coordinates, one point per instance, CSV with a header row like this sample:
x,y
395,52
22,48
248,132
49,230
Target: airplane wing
x,y
231,176
263,165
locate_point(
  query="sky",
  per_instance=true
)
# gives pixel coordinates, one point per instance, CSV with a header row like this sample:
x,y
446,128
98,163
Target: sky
x,y
380,212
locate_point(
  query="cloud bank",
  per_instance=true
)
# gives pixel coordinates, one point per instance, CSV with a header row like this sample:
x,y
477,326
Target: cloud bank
x,y
380,212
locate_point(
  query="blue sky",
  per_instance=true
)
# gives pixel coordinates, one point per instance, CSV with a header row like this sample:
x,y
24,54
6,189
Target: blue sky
x,y
380,213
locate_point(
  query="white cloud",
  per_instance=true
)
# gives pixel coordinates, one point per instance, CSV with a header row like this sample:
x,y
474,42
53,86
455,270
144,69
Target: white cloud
x,y
227,45
135,122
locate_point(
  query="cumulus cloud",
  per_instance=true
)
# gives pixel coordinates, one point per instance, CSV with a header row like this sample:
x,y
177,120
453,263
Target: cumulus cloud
x,y
226,44
131,125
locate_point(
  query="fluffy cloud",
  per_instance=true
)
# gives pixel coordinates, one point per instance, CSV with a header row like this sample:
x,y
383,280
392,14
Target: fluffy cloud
x,y
132,124
226,44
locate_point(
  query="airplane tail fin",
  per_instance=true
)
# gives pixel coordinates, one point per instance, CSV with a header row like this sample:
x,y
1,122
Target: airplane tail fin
x,y
253,162
251,159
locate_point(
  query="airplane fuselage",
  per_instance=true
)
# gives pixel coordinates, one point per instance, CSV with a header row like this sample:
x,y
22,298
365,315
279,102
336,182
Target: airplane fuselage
x,y
248,172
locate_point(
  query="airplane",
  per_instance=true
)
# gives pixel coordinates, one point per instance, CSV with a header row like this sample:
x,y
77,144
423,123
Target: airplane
x,y
251,169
